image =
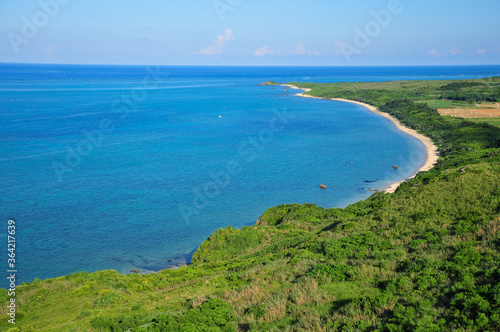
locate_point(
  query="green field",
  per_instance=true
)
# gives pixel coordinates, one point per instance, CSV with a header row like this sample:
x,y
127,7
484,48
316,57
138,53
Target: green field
x,y
425,258
493,122
449,104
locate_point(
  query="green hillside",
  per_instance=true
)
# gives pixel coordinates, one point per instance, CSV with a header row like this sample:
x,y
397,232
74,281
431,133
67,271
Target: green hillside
x,y
425,258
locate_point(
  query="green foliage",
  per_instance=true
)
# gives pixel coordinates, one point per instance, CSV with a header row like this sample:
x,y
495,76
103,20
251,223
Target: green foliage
x,y
239,240
337,272
116,324
107,298
212,316
379,93
307,213
459,85
258,311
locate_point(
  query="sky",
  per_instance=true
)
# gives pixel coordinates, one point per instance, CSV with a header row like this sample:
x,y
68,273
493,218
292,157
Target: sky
x,y
251,32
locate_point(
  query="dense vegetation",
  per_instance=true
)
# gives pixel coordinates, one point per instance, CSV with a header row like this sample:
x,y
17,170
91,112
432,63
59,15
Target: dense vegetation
x,y
435,94
376,93
425,258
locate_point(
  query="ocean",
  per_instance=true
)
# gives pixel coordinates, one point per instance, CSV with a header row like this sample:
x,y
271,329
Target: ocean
x,y
133,167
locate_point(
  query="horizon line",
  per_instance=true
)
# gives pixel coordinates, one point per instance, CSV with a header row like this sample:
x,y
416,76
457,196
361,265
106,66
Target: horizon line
x,y
201,65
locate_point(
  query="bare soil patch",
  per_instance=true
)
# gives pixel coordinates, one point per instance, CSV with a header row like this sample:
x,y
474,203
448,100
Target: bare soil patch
x,y
471,113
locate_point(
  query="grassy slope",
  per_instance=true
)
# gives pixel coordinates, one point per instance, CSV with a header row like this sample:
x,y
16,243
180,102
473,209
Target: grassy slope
x,y
424,258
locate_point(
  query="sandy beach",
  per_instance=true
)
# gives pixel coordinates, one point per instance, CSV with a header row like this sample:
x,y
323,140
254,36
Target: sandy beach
x,y
432,150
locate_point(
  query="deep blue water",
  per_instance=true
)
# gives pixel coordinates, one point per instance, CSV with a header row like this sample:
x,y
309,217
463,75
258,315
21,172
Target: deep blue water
x,y
120,167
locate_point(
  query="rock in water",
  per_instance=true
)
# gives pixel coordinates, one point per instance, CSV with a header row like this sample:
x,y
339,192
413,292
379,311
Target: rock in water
x,y
322,186
269,83
395,167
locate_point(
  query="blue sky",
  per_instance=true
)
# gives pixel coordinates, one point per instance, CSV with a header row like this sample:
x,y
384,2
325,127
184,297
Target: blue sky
x,y
251,32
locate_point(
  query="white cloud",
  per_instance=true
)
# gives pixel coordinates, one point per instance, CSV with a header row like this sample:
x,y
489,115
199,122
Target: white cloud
x,y
302,50
433,52
210,50
480,51
264,50
219,44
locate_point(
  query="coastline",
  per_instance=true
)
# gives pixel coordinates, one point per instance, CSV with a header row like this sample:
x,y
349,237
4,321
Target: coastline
x,y
432,150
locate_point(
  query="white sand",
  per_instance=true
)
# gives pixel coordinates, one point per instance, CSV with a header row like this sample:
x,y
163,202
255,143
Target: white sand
x,y
432,150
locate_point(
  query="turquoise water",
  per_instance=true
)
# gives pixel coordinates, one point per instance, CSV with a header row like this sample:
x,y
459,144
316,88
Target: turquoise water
x,y
127,168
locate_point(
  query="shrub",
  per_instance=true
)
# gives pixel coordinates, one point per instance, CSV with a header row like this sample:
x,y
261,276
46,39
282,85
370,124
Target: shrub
x,y
258,311
213,315
338,272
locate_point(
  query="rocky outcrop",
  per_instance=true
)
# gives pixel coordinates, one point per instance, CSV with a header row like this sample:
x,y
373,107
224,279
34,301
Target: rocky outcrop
x,y
269,83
